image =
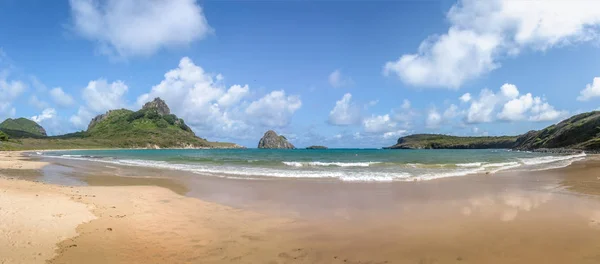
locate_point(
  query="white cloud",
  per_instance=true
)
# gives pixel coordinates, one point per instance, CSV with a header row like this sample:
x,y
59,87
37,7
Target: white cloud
x,y
394,134
379,124
345,112
233,96
274,109
451,112
481,109
102,96
514,107
213,110
509,90
542,111
9,91
590,91
136,27
465,98
82,118
434,119
48,113
483,32
61,98
99,96
337,80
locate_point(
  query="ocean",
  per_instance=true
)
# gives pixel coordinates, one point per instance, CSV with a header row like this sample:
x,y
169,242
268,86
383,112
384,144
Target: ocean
x,y
340,164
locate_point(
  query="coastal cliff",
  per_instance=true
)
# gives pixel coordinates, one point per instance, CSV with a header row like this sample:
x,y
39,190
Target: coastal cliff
x,y
273,141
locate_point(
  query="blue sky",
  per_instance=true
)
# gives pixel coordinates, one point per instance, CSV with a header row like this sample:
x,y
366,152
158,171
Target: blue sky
x,y
342,74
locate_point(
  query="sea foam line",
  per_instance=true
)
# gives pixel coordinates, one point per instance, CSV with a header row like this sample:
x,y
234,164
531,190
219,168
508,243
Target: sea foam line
x,y
327,164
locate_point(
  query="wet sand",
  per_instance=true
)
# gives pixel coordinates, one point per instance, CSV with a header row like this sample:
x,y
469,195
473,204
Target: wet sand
x,y
518,217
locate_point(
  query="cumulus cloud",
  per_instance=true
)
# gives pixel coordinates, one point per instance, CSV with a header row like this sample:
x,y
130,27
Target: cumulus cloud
x,y
275,109
465,98
481,33
513,107
481,109
48,113
379,124
82,118
137,27
337,80
99,96
345,112
10,90
61,98
451,112
102,96
394,134
214,110
591,90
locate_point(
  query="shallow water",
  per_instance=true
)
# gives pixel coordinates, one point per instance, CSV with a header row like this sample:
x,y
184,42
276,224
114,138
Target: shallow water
x,y
342,164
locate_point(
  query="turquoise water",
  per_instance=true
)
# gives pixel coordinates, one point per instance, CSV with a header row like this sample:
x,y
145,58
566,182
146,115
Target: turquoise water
x,y
342,164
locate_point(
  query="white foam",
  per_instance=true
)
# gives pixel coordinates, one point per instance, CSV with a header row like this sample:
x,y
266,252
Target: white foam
x,y
550,159
327,169
327,164
472,164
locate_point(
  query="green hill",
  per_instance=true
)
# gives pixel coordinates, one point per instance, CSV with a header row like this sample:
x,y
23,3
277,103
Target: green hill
x,y
581,131
151,127
22,127
435,141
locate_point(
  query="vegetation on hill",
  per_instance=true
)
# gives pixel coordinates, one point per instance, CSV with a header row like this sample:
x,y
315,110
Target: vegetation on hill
x,y
435,141
151,127
21,128
581,131
3,136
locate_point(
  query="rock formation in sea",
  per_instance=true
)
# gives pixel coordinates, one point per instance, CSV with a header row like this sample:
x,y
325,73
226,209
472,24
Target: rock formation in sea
x,y
273,141
316,147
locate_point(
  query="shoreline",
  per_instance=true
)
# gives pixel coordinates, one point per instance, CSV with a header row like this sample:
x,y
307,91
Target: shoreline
x,y
288,221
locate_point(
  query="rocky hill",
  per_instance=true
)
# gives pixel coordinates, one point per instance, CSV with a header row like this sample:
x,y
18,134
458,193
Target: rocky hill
x,y
22,127
273,141
435,141
153,126
581,131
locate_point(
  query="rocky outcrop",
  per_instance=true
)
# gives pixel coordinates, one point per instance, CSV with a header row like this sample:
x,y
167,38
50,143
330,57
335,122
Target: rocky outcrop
x,y
99,118
316,147
273,141
159,105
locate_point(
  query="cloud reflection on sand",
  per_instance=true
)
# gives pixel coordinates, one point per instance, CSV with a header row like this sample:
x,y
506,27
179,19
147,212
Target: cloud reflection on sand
x,y
507,205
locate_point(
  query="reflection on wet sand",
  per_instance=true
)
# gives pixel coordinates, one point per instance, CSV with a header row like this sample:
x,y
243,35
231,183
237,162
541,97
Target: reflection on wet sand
x,y
503,218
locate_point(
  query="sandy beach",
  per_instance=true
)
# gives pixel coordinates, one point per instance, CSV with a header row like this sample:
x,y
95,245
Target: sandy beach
x,y
111,214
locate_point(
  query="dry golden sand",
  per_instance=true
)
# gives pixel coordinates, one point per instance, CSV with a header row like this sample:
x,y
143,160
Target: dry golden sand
x,y
33,216
509,223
